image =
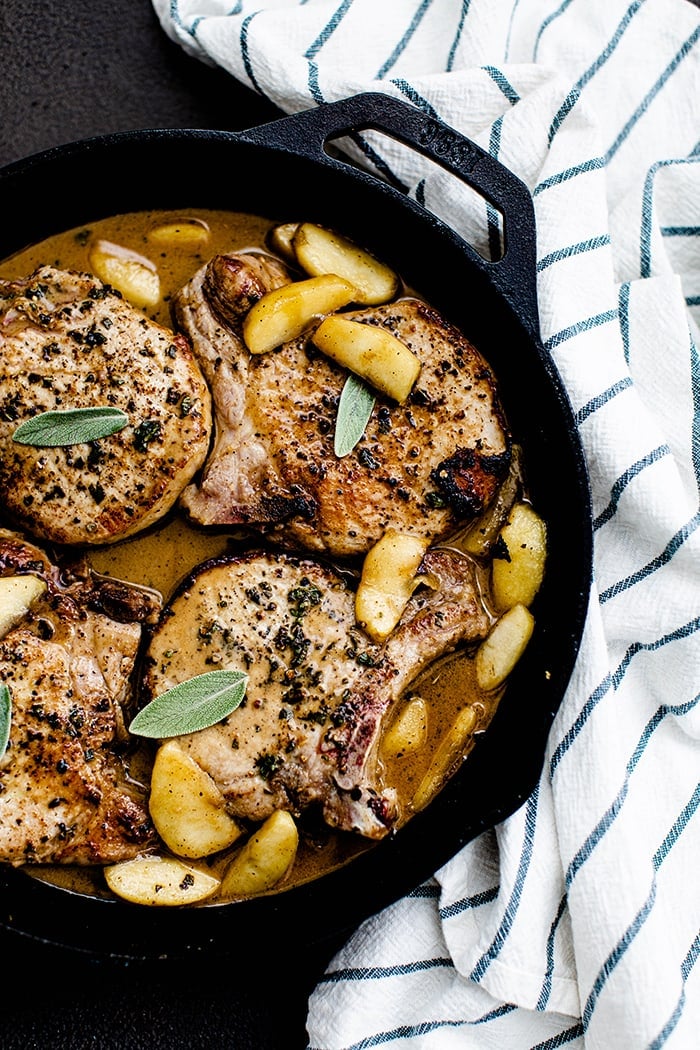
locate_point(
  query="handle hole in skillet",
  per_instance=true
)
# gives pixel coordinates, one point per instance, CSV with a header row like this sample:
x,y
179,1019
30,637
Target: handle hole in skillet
x,y
475,219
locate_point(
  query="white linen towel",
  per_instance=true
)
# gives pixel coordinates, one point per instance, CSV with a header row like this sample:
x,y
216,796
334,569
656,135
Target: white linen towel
x,y
576,921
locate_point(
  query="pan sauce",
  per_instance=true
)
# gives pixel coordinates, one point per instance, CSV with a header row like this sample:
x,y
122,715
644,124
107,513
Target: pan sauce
x,y
162,555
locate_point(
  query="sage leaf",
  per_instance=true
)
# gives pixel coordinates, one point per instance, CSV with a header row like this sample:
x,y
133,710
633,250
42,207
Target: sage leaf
x,y
194,704
70,426
354,409
5,717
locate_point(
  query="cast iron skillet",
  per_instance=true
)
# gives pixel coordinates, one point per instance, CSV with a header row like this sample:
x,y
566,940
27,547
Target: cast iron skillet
x,y
284,171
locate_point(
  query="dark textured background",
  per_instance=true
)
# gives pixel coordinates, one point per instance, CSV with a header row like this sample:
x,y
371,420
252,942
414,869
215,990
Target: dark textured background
x,y
68,71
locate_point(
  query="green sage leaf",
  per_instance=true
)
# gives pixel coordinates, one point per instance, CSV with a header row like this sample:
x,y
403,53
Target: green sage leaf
x,y
5,717
354,409
195,704
70,426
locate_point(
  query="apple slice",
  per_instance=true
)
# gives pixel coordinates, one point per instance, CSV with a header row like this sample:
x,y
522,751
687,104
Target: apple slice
x,y
371,352
186,806
17,593
388,580
319,250
265,859
160,881
500,651
286,312
132,274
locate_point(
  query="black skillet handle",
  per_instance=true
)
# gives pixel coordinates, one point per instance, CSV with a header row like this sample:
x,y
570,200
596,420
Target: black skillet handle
x,y
306,133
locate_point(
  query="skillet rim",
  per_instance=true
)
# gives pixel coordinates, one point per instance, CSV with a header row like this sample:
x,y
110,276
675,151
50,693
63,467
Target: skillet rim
x,y
399,864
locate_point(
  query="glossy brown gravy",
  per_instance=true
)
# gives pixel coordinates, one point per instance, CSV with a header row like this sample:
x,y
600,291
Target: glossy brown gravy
x,y
161,556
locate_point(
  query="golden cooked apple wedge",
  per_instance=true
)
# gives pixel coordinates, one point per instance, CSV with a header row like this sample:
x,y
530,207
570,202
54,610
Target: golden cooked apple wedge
x,y
280,239
184,233
319,250
160,881
388,580
265,858
500,651
371,352
186,806
284,313
451,750
518,569
16,596
409,730
135,276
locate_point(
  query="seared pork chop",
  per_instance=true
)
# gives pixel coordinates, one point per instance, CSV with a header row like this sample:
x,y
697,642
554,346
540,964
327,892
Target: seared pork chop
x,y
423,466
319,690
69,341
65,796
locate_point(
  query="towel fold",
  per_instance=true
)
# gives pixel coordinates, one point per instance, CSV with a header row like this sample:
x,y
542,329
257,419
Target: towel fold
x,y
576,921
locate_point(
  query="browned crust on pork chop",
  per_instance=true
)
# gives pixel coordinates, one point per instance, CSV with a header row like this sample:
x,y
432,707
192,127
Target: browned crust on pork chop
x,y
69,341
319,691
65,796
423,467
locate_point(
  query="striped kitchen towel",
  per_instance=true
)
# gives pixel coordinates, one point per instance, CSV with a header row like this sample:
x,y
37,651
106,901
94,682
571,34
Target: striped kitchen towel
x,y
576,921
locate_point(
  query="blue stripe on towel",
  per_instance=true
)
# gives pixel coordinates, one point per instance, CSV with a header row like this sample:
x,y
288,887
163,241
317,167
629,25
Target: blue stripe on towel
x,y
580,326
625,478
316,45
245,54
546,990
510,30
467,903
328,30
493,216
603,398
582,717
612,681
502,82
590,245
458,35
613,959
687,530
623,307
567,1036
512,906
177,18
403,42
428,890
412,1031
653,92
547,22
413,96
569,173
680,231
573,96
646,226
686,967
663,558
378,973
613,810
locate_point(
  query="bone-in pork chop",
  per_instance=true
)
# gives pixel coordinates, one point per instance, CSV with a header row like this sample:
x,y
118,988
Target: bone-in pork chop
x,y
319,690
65,795
69,341
423,466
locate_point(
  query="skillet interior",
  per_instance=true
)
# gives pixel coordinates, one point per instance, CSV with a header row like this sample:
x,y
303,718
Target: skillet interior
x,y
281,171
